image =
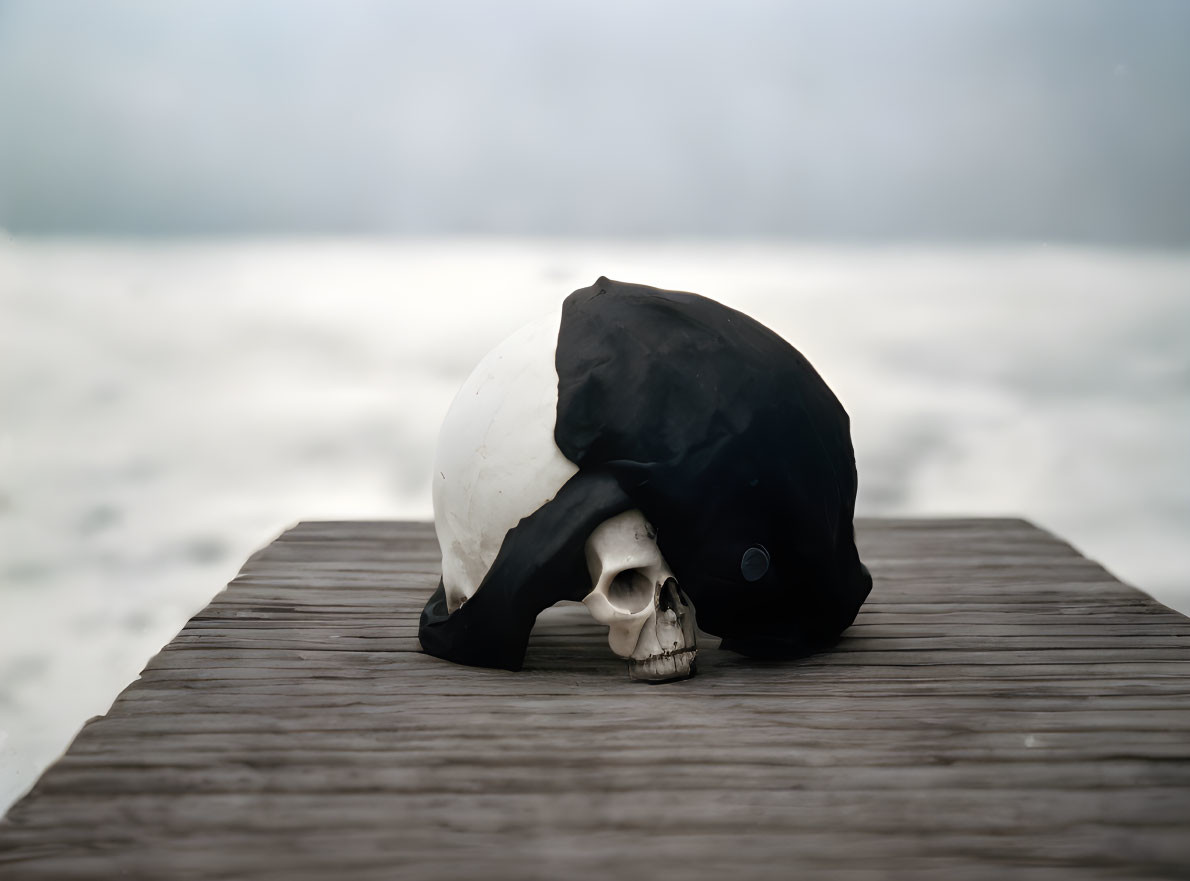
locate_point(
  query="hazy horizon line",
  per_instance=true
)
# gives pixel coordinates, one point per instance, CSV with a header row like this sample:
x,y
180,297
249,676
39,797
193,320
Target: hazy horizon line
x,y
838,242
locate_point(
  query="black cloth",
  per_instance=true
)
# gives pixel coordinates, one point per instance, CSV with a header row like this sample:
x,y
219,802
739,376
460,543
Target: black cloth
x,y
730,444
540,562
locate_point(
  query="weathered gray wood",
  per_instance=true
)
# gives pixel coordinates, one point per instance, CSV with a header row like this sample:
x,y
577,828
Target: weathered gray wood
x,y
1002,706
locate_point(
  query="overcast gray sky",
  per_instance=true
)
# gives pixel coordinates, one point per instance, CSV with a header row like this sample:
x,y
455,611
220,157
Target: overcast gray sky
x,y
854,120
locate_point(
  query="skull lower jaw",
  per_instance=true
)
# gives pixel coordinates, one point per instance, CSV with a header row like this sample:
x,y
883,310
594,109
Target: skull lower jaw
x,y
665,667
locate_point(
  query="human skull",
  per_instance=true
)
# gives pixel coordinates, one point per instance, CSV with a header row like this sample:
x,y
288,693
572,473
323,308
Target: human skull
x,y
497,462
650,621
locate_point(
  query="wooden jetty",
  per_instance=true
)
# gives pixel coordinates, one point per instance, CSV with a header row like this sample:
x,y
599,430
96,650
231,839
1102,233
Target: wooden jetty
x,y
1002,708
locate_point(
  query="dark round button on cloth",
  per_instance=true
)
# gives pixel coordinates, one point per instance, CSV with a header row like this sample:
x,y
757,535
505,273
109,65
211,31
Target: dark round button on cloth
x,y
754,563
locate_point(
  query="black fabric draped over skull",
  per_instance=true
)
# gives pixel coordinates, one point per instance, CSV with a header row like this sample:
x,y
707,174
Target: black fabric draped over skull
x,y
727,440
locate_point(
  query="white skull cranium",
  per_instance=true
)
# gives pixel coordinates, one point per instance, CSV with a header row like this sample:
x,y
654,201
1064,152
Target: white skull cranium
x,y
497,462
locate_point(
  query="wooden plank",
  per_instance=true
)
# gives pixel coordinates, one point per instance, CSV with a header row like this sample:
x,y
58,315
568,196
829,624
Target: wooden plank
x,y
1001,706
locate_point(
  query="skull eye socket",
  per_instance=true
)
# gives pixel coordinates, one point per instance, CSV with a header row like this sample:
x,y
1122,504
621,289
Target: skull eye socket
x,y
630,591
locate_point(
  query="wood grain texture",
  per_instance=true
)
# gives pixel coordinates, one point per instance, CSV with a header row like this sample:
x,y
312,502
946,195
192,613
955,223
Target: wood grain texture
x,y
1001,707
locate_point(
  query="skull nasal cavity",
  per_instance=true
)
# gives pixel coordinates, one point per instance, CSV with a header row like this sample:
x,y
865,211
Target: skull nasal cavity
x,y
630,591
669,595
